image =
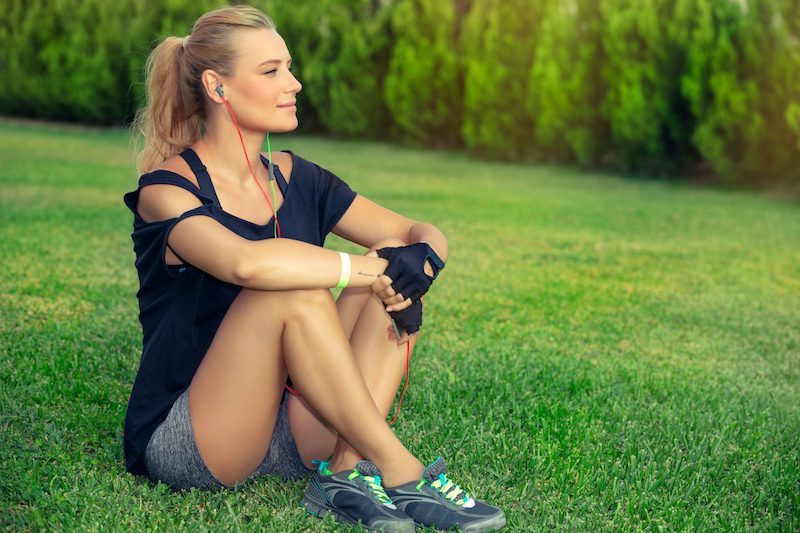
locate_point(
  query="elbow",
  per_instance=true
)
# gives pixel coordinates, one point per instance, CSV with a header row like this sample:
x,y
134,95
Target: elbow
x,y
242,274
252,272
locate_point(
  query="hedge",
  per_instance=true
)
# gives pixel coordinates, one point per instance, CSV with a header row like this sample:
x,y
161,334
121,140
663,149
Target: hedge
x,y
671,87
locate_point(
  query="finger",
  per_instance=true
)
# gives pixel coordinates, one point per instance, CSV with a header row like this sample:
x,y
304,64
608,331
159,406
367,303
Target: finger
x,y
410,287
403,339
381,283
396,299
388,292
399,307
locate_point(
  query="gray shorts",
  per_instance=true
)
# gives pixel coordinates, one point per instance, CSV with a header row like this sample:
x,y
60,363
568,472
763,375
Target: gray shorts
x,y
172,456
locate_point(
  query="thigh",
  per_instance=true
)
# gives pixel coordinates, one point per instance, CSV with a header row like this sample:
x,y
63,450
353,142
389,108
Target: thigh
x,y
315,439
172,456
283,458
234,395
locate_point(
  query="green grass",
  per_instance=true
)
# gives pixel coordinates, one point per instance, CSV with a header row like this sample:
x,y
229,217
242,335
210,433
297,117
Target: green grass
x,y
600,353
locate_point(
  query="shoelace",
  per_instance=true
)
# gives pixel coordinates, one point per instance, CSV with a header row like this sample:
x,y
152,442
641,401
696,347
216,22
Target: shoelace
x,y
448,488
375,486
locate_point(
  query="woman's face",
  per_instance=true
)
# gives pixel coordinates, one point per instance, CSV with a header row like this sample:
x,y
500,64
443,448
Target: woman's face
x,y
262,89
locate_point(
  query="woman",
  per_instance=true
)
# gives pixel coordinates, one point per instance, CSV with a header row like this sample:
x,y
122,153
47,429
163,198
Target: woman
x,y
229,312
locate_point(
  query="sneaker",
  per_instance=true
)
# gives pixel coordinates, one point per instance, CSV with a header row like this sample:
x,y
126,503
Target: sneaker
x,y
436,501
354,497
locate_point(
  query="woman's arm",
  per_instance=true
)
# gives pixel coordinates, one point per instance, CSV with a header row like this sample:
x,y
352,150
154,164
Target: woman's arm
x,y
270,264
430,234
367,223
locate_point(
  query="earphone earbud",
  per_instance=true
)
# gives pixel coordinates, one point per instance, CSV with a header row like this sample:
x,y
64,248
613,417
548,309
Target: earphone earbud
x,y
219,91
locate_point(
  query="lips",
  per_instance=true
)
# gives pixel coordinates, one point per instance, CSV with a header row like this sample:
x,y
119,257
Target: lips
x,y
289,104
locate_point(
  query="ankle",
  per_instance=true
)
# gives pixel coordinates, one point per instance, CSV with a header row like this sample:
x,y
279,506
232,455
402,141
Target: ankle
x,y
343,461
398,474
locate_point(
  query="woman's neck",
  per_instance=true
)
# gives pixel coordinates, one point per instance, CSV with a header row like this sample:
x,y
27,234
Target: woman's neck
x,y
220,149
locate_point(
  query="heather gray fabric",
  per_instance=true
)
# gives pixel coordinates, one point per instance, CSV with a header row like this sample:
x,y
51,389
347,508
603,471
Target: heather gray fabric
x,y
172,456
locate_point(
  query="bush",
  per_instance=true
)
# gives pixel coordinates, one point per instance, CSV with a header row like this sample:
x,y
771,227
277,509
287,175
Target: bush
x,y
742,81
498,43
643,104
61,68
83,61
565,88
343,49
423,86
666,86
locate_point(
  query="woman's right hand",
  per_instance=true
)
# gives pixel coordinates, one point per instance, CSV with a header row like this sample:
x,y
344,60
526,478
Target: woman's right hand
x,y
382,287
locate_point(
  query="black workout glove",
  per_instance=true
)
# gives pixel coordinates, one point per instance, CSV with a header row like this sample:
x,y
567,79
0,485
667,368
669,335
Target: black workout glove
x,y
406,268
409,319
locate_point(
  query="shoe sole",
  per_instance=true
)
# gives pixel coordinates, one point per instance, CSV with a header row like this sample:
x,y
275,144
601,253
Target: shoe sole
x,y
320,510
493,523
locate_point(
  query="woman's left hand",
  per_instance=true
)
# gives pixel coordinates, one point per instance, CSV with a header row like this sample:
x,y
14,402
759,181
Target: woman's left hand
x,y
412,268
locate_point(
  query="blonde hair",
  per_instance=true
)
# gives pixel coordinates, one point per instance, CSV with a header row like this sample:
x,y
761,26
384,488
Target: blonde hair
x,y
174,106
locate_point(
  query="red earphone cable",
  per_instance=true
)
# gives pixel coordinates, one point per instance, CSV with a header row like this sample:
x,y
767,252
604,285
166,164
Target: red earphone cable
x,y
278,228
402,394
236,123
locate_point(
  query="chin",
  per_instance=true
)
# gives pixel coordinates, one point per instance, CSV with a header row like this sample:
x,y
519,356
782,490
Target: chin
x,y
285,128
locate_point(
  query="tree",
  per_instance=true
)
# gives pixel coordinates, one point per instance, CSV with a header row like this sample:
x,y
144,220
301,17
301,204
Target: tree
x,y
422,87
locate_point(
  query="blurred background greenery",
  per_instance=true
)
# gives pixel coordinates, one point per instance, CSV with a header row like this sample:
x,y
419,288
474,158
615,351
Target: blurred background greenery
x,y
702,89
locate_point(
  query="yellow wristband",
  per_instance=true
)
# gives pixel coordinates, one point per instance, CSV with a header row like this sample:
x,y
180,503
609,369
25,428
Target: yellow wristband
x,y
344,279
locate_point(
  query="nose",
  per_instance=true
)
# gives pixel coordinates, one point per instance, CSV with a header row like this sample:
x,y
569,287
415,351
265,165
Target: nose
x,y
295,87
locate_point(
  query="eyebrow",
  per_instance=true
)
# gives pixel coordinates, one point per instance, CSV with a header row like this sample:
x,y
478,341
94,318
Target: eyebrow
x,y
270,61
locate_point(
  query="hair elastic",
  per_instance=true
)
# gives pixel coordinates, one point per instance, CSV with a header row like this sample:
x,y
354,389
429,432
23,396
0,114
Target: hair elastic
x,y
344,278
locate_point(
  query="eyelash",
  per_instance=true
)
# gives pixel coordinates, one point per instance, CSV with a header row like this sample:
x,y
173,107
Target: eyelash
x,y
291,69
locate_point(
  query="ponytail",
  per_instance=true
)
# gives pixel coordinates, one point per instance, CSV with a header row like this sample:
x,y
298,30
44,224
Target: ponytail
x,y
170,120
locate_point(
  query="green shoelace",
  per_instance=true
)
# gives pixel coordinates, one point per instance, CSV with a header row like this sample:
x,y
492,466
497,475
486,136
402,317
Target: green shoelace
x,y
448,488
374,484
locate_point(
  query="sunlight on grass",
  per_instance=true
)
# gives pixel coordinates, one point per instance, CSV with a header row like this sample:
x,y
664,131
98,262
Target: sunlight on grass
x,y
599,354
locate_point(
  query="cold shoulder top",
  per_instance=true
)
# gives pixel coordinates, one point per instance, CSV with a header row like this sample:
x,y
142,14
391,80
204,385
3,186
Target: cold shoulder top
x,y
181,307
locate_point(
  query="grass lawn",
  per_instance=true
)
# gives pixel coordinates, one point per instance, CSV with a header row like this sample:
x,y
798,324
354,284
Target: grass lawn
x,y
600,353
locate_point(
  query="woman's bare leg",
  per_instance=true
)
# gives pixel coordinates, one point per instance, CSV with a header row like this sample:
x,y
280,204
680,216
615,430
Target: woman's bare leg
x,y
235,392
381,362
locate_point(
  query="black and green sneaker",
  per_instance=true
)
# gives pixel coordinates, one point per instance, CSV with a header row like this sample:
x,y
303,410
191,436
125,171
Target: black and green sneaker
x,y
437,501
354,497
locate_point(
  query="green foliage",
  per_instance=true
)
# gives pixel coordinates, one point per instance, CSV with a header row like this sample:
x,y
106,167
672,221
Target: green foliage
x,y
498,43
565,88
656,86
423,86
344,49
742,81
57,66
83,61
641,78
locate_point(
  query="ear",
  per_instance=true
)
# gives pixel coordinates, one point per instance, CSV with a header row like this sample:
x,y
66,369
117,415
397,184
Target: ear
x,y
211,80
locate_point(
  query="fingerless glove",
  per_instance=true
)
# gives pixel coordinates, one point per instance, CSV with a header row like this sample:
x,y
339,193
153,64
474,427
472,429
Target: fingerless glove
x,y
409,319
407,268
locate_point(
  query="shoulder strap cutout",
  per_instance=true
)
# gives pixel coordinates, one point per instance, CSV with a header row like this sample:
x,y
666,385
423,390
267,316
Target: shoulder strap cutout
x,y
201,173
167,177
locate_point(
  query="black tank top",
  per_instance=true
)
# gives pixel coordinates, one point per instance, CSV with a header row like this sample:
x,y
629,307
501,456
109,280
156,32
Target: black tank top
x,y
181,307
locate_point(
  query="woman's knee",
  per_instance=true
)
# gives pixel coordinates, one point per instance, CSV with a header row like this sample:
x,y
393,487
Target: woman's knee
x,y
388,243
285,304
